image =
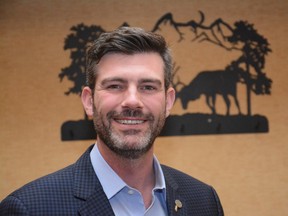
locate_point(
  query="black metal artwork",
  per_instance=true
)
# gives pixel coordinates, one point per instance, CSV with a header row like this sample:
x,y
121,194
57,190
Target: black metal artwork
x,y
248,69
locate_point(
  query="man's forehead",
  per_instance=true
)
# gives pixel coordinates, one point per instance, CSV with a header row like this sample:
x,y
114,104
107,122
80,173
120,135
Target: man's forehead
x,y
140,66
136,58
127,80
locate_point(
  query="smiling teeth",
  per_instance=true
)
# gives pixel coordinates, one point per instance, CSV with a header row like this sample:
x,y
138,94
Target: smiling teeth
x,y
130,122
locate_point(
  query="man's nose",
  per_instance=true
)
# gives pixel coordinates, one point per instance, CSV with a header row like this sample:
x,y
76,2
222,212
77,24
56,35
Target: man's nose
x,y
132,98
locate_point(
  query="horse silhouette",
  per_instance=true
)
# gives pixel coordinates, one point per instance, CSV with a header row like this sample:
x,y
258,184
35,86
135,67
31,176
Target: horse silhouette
x,y
211,83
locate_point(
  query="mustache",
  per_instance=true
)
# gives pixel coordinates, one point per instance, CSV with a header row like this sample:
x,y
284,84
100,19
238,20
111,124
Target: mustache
x,y
129,113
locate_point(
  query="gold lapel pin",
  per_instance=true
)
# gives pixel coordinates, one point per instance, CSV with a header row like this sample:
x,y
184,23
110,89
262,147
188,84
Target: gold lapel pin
x,y
178,205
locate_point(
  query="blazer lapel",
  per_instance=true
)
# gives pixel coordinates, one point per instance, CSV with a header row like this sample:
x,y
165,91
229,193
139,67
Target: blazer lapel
x,y
175,203
88,189
97,204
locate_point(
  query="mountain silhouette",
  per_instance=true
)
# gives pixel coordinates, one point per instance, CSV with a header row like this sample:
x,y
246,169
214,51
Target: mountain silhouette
x,y
217,32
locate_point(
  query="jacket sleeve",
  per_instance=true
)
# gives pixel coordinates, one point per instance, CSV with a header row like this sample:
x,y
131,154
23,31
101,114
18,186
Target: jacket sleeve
x,y
12,206
219,206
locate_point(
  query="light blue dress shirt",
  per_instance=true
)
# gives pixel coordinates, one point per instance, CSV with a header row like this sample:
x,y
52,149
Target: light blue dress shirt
x,y
124,199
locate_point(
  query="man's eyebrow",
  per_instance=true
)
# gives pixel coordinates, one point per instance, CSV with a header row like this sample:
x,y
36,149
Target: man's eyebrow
x,y
113,79
148,80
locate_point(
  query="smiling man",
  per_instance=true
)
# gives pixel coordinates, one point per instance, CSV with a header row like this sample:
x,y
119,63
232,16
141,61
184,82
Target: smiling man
x,y
130,103
129,96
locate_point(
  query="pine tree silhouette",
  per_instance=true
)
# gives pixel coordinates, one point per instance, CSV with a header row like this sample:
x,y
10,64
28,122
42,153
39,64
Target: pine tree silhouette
x,y
254,51
76,42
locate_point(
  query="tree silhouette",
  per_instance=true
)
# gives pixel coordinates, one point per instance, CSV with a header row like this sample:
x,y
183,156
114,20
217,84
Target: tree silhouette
x,y
254,50
76,42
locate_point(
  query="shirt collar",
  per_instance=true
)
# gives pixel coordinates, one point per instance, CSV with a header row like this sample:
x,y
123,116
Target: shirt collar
x,y
112,183
109,180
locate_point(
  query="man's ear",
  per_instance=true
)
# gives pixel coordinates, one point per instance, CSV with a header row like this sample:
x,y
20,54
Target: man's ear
x,y
170,98
87,100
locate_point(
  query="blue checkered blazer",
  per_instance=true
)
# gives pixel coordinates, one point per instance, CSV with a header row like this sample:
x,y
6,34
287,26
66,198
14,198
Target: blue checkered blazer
x,y
75,190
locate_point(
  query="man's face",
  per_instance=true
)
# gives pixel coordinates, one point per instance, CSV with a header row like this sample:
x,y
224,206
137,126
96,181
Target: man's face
x,y
130,103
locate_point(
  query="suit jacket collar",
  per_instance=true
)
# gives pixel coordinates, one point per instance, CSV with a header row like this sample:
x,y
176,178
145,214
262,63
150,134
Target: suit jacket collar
x,y
172,195
88,189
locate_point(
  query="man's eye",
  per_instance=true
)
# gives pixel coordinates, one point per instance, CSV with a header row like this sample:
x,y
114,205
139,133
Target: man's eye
x,y
114,87
148,88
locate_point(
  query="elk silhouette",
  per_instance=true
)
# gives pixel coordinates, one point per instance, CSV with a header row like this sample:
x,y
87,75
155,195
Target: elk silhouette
x,y
211,83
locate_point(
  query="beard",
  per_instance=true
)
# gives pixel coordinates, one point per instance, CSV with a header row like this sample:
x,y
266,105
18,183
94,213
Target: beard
x,y
119,143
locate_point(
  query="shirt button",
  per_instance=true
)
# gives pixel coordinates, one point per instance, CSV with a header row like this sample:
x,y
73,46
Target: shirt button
x,y
130,192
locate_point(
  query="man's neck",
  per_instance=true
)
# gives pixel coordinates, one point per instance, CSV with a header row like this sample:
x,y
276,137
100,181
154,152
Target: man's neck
x,y
137,173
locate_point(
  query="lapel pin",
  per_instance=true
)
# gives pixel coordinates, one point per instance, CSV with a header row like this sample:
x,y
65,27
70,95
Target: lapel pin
x,y
178,205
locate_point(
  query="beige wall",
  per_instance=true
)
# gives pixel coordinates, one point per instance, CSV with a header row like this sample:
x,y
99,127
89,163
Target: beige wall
x,y
249,171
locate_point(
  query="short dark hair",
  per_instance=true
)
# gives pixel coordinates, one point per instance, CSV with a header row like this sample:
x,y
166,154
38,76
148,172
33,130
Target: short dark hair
x,y
127,40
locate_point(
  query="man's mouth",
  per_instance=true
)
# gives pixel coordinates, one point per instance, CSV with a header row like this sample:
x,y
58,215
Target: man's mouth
x,y
129,121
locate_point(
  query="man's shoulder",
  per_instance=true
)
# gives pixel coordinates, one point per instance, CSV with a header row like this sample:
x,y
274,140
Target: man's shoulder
x,y
54,192
198,195
39,195
50,184
179,175
59,180
183,181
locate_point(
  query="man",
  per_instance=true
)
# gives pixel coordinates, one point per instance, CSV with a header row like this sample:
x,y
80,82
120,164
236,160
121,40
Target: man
x,y
128,95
